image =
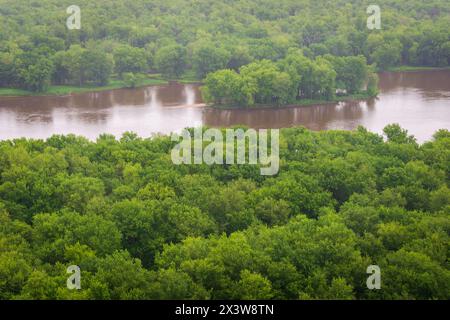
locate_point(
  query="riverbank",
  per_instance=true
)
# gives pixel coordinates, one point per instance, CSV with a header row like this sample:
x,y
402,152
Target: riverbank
x,y
414,68
157,79
115,83
67,90
309,102
300,103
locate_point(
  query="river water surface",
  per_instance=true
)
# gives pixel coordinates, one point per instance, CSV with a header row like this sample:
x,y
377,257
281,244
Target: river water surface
x,y
418,101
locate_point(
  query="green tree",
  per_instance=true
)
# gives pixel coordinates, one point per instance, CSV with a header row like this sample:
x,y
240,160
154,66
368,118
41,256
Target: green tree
x,y
253,286
272,86
228,87
209,58
171,60
130,60
97,66
387,54
132,80
69,66
35,70
351,72
372,84
396,134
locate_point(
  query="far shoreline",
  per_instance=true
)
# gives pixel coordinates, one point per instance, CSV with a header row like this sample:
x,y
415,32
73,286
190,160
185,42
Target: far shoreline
x,y
61,90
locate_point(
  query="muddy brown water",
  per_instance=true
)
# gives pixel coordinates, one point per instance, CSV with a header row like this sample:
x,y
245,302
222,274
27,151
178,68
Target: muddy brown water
x,y
418,101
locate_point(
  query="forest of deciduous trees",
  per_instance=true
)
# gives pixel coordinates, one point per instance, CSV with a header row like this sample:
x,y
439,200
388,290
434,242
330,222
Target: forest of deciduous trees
x,y
189,39
290,80
140,227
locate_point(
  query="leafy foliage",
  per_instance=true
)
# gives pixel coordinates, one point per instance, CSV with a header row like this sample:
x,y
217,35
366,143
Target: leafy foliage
x,y
141,228
178,37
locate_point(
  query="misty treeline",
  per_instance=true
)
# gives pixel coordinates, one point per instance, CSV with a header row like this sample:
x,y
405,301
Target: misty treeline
x,y
188,39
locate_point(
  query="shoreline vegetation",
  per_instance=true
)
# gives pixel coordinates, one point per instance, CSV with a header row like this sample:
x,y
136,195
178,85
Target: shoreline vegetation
x,y
294,80
415,69
41,58
63,90
363,96
156,80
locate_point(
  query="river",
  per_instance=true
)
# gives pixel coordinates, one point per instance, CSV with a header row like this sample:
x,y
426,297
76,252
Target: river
x,y
418,101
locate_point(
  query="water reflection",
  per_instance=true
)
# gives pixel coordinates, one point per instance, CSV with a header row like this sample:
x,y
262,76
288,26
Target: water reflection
x,y
419,101
318,117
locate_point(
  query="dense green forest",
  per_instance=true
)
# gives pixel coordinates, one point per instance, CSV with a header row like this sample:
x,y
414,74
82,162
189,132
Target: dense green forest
x,y
292,80
142,228
187,39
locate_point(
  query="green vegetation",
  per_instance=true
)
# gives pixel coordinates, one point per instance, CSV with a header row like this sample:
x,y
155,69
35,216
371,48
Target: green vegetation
x,y
14,92
415,68
142,228
293,80
137,81
363,96
181,39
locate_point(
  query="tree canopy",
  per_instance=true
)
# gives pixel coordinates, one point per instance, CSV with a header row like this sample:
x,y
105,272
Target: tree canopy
x,y
178,38
140,227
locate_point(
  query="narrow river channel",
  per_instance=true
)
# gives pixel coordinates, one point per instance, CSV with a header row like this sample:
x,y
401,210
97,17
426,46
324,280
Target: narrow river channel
x,y
419,101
